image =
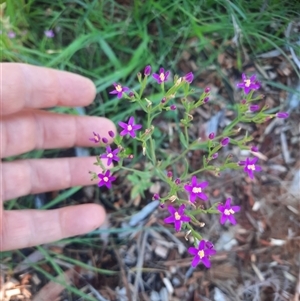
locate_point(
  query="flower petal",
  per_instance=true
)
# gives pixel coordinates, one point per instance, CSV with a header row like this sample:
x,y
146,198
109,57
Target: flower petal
x,y
206,262
231,219
193,251
172,210
185,218
169,220
193,197
202,196
122,124
203,184
188,187
201,244
181,209
236,208
227,204
210,252
177,225
223,219
131,120
195,261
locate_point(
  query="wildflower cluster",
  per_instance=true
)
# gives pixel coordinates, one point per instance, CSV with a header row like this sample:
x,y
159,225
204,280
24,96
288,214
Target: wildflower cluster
x,y
187,192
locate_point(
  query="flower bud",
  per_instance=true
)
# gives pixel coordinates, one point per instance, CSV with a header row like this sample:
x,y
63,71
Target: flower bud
x,y
189,77
207,90
147,70
244,101
282,115
169,174
225,141
163,100
177,181
254,108
211,136
206,99
254,149
215,155
173,107
104,140
155,196
131,94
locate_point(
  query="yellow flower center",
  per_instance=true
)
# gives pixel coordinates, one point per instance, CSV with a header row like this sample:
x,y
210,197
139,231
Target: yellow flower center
x,y
119,88
105,179
252,167
96,138
110,155
129,128
162,77
228,211
201,254
177,216
196,190
247,82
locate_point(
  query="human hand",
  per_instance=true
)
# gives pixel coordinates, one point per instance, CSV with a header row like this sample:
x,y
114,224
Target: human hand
x,y
24,127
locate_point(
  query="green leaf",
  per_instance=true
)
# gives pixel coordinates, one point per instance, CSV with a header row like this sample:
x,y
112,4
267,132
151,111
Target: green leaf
x,y
182,140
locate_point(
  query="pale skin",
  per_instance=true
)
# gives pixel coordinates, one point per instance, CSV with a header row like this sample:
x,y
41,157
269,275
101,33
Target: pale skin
x,y
26,91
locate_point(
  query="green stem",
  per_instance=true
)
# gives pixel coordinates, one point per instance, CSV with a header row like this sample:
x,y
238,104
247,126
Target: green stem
x,y
152,149
186,134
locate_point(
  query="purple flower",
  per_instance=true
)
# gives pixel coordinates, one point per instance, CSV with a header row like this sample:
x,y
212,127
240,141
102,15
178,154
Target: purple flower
x,y
11,34
49,33
169,174
147,70
96,138
254,108
282,115
249,84
162,76
195,190
129,128
110,155
173,107
105,179
104,140
227,212
163,100
119,90
189,77
177,217
225,141
250,166
202,253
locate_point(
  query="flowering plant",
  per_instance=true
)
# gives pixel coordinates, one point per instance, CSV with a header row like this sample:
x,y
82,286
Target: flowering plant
x,y
187,192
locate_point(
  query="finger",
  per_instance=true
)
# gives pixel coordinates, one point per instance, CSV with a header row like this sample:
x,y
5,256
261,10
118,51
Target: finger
x,y
26,86
23,177
26,228
35,129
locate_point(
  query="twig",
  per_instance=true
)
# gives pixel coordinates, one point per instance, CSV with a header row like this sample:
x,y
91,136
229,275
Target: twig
x,y
123,274
139,266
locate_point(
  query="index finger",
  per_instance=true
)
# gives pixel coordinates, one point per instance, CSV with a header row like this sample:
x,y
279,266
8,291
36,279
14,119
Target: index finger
x,y
26,86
